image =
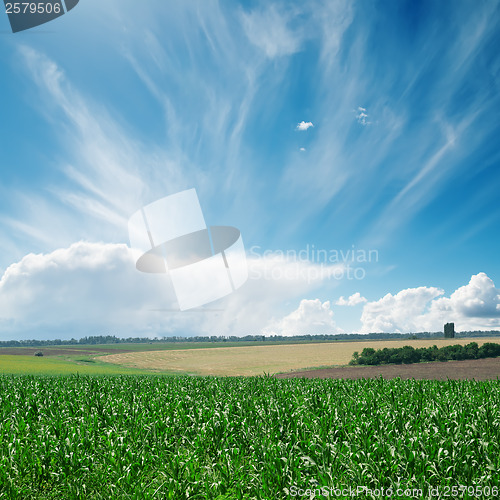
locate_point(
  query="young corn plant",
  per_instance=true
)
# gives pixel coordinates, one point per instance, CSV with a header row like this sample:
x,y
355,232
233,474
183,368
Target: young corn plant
x,y
137,437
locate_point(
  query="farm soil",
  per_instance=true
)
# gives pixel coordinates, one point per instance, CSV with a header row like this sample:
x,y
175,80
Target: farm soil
x,y
477,369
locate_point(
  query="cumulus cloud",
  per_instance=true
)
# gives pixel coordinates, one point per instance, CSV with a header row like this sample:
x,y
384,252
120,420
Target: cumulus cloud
x,y
403,312
475,306
94,289
275,281
86,289
311,317
479,299
352,301
304,126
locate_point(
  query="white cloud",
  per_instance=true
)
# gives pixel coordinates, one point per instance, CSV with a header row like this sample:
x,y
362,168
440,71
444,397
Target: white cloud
x,y
94,289
475,306
106,158
302,149
86,289
352,301
362,116
274,283
479,298
311,317
269,30
304,125
403,312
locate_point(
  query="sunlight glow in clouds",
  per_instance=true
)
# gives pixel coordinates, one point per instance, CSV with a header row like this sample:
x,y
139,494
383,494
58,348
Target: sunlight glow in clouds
x,y
95,287
92,288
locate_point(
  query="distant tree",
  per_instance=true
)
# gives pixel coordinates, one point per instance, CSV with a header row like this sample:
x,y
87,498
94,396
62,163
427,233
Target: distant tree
x,y
489,350
396,357
368,357
407,354
471,350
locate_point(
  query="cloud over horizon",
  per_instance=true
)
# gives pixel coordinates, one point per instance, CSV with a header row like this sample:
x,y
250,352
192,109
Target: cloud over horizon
x,y
311,317
94,289
475,306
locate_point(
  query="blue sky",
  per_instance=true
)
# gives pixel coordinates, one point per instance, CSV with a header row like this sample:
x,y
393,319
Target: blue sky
x,y
111,107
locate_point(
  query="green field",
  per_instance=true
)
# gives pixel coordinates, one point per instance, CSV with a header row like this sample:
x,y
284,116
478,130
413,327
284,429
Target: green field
x,y
85,358
165,346
83,365
203,358
142,437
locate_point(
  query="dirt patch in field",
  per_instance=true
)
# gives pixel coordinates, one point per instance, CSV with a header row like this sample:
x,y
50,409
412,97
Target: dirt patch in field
x,y
55,351
478,369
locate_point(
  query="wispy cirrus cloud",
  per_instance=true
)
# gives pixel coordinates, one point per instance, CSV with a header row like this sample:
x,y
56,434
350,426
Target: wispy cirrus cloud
x,y
217,91
423,125
107,172
268,28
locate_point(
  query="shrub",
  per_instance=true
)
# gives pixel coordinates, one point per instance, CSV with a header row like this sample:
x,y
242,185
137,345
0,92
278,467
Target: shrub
x,y
407,354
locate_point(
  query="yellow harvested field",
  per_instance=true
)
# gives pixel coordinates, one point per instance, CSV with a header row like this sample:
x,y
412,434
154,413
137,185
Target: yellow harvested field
x,y
249,360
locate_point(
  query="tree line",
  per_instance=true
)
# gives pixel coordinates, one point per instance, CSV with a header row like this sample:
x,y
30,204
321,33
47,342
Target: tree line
x,y
349,337
409,354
